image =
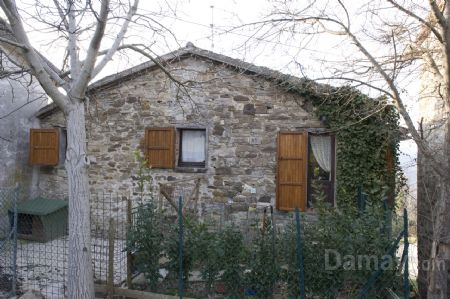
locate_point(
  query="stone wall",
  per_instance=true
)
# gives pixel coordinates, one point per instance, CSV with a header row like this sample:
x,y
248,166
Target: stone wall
x,y
241,113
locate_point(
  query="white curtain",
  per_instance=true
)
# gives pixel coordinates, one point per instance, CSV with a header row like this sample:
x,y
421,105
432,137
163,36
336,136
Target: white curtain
x,y
193,146
321,148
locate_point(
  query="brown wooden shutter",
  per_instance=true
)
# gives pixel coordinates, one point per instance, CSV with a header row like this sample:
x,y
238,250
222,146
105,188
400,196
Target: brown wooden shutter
x,y
291,170
44,147
160,147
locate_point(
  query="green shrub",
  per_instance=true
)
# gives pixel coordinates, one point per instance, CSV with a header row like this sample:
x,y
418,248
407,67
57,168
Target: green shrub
x,y
232,261
262,269
208,256
335,237
172,247
145,240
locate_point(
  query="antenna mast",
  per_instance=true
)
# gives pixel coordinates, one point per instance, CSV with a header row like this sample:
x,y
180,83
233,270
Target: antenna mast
x,y
212,27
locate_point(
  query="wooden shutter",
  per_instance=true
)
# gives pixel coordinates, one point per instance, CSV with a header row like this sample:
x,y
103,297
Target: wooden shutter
x,y
291,170
44,147
160,147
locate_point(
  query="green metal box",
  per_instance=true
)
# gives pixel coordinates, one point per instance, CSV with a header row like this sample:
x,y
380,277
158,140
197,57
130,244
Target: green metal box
x,y
41,219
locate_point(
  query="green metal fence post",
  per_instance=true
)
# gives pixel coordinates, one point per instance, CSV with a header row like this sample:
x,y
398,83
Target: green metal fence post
x,y
272,220
405,253
301,271
180,247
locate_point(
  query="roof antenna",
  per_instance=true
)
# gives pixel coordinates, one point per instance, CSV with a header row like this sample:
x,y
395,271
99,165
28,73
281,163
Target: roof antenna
x,y
212,26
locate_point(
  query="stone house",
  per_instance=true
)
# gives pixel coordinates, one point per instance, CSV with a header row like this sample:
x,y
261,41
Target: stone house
x,y
232,126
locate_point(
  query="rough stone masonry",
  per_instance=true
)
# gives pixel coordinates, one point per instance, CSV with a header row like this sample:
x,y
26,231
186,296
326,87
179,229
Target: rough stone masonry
x,y
241,112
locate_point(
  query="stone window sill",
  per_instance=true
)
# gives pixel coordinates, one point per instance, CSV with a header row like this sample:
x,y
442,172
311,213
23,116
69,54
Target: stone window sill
x,y
190,169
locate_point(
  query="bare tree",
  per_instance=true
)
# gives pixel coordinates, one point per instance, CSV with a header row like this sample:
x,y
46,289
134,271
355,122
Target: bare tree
x,y
394,43
81,26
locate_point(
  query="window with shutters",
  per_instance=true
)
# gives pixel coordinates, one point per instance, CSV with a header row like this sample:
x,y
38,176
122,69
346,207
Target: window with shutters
x,y
305,162
160,147
44,147
192,150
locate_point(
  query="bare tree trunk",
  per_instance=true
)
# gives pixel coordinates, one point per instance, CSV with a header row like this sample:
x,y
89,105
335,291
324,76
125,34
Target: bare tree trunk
x,y
80,277
438,276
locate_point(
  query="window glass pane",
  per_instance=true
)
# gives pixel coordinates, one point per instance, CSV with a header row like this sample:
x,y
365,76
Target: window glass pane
x,y
321,148
193,146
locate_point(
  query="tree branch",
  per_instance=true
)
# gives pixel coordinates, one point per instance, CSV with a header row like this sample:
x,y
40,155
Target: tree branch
x,y
438,14
155,61
418,18
81,82
32,58
5,139
348,79
18,108
432,63
109,54
61,14
13,43
424,148
395,57
72,47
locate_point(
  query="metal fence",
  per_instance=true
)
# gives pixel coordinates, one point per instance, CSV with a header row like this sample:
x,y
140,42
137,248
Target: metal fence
x,y
140,245
7,241
271,255
34,241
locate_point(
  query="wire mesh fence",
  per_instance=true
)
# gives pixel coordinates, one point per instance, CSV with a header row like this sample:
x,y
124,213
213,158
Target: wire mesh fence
x,y
205,250
34,254
270,255
7,265
39,255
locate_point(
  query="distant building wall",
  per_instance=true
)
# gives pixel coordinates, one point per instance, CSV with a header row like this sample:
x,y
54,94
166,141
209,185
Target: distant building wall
x,y
20,99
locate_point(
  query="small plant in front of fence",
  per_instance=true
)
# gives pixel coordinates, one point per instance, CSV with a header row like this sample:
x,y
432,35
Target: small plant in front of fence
x,y
262,272
289,262
208,254
145,241
191,229
234,255
142,177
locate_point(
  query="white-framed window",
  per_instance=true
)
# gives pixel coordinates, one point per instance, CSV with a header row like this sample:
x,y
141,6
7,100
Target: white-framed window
x,y
192,150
